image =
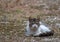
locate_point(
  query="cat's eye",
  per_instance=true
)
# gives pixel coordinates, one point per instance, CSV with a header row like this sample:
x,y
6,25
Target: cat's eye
x,y
37,22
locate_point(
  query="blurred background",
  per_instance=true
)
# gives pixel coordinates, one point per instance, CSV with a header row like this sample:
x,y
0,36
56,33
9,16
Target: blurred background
x,y
13,13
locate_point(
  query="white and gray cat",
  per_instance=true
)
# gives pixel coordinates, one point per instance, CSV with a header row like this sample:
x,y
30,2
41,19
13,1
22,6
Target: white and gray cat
x,y
41,29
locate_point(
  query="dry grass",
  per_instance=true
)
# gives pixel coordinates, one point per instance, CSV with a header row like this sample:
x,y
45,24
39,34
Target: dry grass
x,y
14,13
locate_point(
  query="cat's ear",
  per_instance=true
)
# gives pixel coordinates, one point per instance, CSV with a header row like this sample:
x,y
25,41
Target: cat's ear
x,y
38,17
30,18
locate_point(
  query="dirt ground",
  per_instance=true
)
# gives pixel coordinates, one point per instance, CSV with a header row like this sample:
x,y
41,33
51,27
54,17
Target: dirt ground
x,y
14,13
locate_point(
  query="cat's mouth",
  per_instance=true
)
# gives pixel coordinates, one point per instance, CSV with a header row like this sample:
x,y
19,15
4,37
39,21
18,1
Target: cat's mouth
x,y
35,26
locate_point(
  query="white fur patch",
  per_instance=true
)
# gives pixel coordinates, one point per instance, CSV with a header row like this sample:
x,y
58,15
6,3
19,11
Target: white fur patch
x,y
34,25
